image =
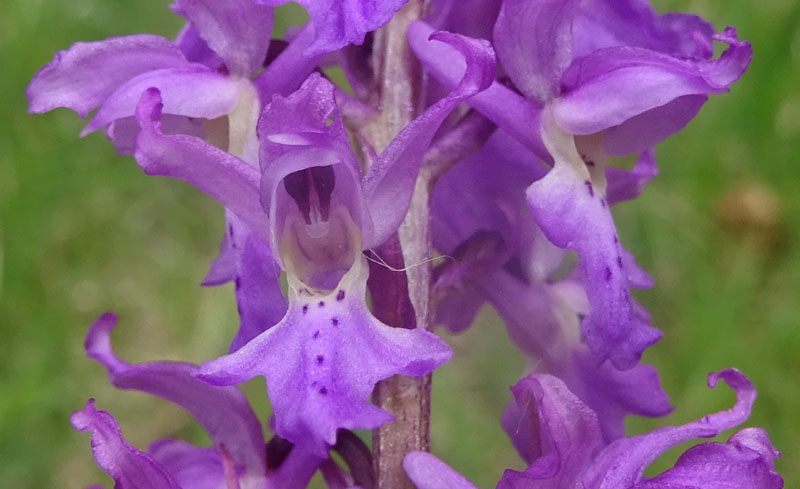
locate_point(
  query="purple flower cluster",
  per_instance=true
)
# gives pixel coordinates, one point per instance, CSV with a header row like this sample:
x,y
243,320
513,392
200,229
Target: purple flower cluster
x,y
527,102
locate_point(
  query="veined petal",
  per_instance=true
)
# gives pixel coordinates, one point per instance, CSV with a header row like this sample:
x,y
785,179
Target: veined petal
x,y
534,43
323,360
191,467
745,461
237,30
428,472
338,23
602,23
389,183
192,91
553,430
309,117
506,108
129,467
223,411
612,85
83,76
623,462
231,181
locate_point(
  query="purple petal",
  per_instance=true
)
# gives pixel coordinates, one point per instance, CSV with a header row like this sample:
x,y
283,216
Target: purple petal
x,y
323,360
602,23
309,117
286,72
296,470
129,467
428,472
574,215
746,460
123,132
534,43
628,184
301,131
223,411
473,18
641,132
256,277
612,393
612,85
83,76
192,91
231,181
623,462
390,181
190,466
196,49
506,108
237,30
552,339
553,430
338,23
457,311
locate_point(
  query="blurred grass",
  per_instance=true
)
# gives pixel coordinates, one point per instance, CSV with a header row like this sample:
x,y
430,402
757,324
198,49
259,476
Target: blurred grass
x,y
82,230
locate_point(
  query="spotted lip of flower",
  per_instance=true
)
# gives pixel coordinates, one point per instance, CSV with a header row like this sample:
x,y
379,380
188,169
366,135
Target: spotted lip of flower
x,y
322,360
560,437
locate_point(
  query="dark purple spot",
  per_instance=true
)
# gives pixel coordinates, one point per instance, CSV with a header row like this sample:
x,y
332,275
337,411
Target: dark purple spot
x,y
603,202
323,391
589,187
589,163
321,304
335,321
230,231
320,359
616,239
608,274
305,308
315,335
619,261
237,284
340,295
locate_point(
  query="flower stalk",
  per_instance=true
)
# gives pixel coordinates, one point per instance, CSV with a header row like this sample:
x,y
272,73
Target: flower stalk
x,y
400,87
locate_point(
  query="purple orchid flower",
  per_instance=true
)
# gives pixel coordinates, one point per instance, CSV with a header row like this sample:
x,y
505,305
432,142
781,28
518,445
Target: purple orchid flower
x,y
211,88
323,358
502,257
237,459
577,108
560,438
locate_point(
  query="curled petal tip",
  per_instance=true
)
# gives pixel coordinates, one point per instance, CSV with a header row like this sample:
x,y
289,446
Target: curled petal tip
x,y
479,56
148,110
81,420
732,376
98,342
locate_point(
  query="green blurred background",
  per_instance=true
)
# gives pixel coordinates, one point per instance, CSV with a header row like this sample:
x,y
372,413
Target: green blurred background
x,y
82,231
